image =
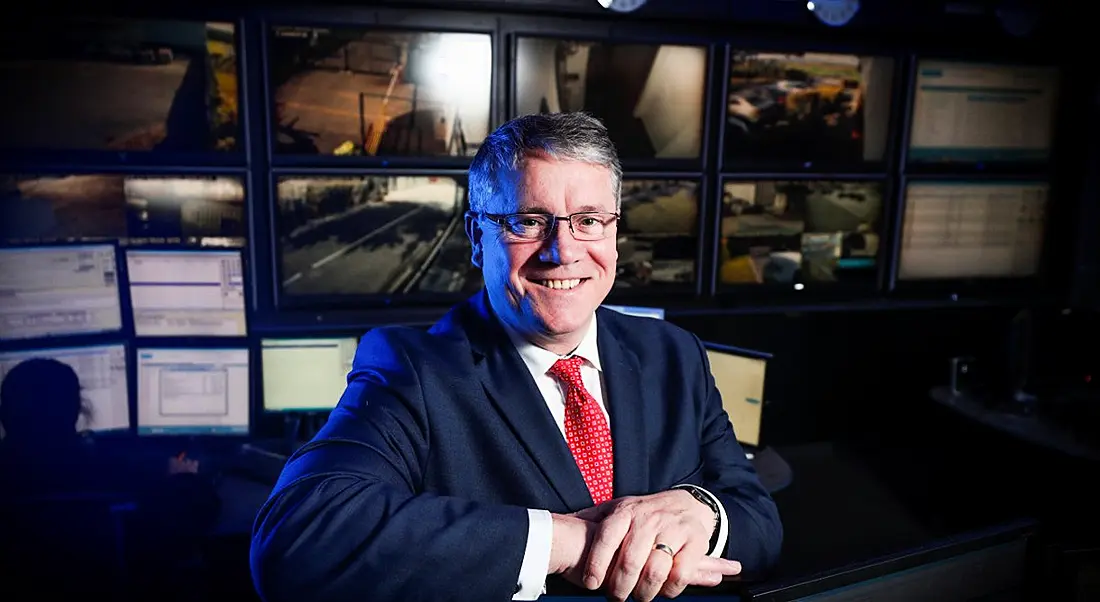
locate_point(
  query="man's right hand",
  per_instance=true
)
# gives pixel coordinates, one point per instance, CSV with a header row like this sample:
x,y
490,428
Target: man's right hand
x,y
573,537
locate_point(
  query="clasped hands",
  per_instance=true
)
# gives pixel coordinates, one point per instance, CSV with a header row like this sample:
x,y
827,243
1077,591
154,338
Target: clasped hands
x,y
613,547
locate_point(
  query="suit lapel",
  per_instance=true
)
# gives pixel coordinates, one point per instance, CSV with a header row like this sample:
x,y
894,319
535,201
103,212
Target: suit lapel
x,y
626,406
510,388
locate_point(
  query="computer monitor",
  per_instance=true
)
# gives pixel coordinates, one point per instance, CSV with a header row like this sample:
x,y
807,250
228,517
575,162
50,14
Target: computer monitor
x,y
954,230
975,112
807,109
193,391
59,290
636,310
305,375
120,85
187,292
365,90
739,375
377,236
800,231
103,382
651,97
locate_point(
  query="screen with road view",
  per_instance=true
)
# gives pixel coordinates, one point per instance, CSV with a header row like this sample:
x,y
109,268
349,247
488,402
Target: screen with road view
x,y
188,210
119,85
344,91
799,231
373,235
658,237
806,108
650,96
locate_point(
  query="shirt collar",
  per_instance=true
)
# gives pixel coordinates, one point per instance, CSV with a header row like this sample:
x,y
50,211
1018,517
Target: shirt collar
x,y
539,360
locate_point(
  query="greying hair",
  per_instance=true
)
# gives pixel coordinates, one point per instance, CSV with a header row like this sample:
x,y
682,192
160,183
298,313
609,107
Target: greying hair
x,y
563,136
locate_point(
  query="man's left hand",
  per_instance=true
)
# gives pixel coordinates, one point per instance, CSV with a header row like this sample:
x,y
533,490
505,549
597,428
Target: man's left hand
x,y
623,558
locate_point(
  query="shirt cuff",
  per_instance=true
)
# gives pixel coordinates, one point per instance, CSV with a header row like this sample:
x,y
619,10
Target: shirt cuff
x,y
536,556
723,525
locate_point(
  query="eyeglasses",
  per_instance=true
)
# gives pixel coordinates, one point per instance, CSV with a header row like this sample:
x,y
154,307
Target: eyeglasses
x,y
586,225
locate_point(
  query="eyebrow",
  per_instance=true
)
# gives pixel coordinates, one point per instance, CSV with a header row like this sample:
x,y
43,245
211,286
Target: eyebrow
x,y
544,211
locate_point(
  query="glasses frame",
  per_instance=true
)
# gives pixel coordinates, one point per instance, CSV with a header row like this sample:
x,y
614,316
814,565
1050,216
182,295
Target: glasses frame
x,y
500,218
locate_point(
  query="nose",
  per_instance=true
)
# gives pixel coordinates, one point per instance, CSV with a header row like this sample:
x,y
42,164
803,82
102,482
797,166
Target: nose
x,y
561,248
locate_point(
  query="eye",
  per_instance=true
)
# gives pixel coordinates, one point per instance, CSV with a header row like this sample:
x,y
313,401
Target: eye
x,y
589,221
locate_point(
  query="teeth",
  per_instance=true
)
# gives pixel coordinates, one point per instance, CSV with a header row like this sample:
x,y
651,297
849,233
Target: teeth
x,y
561,285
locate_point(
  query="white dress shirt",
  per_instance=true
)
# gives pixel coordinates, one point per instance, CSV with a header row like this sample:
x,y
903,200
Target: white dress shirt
x,y
540,531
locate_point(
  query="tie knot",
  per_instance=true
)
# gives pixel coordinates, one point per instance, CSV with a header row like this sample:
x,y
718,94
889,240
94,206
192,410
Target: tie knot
x,y
569,370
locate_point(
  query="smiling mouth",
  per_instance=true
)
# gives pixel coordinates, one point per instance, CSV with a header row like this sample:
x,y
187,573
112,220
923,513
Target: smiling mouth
x,y
560,285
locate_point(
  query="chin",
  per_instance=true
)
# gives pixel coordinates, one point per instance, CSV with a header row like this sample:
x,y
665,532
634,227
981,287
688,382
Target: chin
x,y
563,307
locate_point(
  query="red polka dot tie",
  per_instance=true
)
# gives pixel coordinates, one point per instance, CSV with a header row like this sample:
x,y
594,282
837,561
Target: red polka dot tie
x,y
586,431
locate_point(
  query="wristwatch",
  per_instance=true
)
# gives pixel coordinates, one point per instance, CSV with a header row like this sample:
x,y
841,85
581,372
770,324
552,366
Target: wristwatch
x,y
697,493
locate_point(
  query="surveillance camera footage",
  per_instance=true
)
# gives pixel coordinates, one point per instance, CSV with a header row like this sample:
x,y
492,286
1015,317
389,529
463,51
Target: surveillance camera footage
x,y
342,91
373,235
658,234
119,85
135,210
795,232
650,97
812,107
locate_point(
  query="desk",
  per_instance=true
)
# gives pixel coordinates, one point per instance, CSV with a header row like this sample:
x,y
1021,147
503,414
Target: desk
x,y
1035,428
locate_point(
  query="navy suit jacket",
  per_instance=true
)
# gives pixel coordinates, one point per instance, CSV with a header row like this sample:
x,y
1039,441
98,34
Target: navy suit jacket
x,y
418,486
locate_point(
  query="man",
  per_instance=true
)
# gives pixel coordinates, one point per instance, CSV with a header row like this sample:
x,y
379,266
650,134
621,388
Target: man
x,y
528,433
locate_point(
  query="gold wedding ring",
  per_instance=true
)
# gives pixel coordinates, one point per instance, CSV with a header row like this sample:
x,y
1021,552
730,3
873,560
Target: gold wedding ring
x,y
664,548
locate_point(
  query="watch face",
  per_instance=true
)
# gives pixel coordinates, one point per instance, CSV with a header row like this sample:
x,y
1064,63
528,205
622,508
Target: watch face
x,y
835,12
623,6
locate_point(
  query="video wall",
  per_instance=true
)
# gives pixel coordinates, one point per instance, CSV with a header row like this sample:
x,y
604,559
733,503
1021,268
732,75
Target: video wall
x,y
169,210
341,168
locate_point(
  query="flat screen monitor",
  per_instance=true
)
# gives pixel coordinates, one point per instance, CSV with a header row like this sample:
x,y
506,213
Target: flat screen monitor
x,y
978,112
657,313
658,235
377,92
193,391
103,382
373,235
305,375
651,97
739,375
956,230
133,209
58,291
795,232
119,85
187,293
807,108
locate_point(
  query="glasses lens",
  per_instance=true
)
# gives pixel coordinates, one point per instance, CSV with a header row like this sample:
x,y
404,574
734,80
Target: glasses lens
x,y
527,227
592,226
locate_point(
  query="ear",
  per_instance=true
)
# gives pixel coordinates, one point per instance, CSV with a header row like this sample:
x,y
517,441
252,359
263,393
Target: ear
x,y
475,234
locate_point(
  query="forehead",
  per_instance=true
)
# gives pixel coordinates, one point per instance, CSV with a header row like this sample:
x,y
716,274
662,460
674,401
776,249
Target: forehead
x,y
560,187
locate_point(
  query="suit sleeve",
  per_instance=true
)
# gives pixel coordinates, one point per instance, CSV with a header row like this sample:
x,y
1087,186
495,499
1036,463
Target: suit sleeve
x,y
755,533
349,520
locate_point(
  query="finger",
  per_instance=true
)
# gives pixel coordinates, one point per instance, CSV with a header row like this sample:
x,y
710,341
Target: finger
x,y
636,552
653,575
707,579
609,536
685,567
721,566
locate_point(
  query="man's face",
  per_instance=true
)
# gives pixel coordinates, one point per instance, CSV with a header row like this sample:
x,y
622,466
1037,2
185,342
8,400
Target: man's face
x,y
549,289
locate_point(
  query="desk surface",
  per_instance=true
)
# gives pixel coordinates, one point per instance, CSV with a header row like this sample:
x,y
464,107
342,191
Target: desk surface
x,y
1034,428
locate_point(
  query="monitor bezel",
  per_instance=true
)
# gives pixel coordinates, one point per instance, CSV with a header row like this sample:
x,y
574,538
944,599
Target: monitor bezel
x,y
238,157
765,356
954,289
602,33
812,292
191,345
894,120
367,20
258,373
125,328
208,250
994,167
